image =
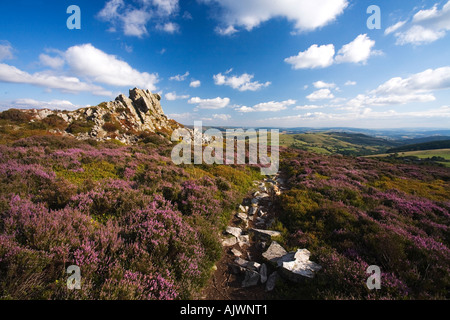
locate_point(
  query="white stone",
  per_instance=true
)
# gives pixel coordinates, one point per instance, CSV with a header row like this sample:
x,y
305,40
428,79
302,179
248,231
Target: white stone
x,y
234,231
229,242
274,252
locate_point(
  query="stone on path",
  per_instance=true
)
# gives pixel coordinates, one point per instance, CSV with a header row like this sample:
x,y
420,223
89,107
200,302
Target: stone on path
x,y
263,273
243,240
234,231
242,216
274,252
300,267
265,234
271,281
251,279
242,208
229,242
236,252
252,211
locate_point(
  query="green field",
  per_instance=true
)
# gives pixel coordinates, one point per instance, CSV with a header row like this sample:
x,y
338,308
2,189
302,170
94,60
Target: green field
x,y
422,154
336,142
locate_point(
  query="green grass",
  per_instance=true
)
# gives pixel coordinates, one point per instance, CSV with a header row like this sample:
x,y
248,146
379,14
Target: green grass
x,y
335,143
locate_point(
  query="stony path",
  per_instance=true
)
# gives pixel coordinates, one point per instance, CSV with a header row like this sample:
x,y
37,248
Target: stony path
x,y
252,262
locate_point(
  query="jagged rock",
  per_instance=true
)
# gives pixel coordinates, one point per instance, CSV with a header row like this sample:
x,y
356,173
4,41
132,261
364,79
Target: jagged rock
x,y
253,211
247,264
236,252
271,281
251,279
126,118
234,231
243,209
265,234
255,201
243,240
229,242
300,267
241,215
274,252
263,273
261,213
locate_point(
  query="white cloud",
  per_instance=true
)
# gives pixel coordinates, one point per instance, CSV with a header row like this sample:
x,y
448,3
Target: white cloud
x,y
133,18
418,87
172,96
314,57
169,27
6,51
94,64
394,27
322,85
241,83
321,94
224,117
216,103
180,77
53,104
350,83
426,26
48,80
357,51
305,14
52,62
228,31
195,84
308,107
272,106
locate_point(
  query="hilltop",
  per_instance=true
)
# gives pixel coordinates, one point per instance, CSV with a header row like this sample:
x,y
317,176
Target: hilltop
x,y
126,119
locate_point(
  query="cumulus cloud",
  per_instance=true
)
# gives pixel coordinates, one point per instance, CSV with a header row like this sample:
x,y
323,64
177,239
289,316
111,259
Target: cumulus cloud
x,y
195,84
272,106
308,107
172,96
305,14
314,57
89,62
223,117
48,80
321,94
6,51
216,103
180,77
323,85
418,87
357,51
134,17
242,83
425,27
52,62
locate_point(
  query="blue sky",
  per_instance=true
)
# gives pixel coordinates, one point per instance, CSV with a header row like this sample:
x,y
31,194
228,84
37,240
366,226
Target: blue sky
x,y
286,63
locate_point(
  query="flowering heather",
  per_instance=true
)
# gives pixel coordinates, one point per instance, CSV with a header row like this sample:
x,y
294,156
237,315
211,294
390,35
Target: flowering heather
x,y
356,212
138,226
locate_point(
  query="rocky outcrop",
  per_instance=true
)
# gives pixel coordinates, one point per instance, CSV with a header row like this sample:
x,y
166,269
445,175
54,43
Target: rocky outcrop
x,y
124,119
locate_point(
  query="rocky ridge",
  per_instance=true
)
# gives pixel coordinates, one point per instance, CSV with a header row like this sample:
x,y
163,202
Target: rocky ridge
x,y
124,119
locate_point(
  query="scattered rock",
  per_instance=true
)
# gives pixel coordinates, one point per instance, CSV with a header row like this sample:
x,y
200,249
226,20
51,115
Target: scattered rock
x,y
241,215
271,281
229,242
234,231
251,279
247,264
236,252
263,273
242,208
300,268
265,234
243,240
253,211
274,252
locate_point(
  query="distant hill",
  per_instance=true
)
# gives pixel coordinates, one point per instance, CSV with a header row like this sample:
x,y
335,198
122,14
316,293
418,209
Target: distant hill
x,y
433,145
354,144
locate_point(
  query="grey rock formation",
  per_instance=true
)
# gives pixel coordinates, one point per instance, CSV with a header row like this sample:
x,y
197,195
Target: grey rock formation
x,y
274,252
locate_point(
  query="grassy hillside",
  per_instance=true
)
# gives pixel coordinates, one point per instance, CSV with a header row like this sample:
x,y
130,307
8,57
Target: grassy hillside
x,y
433,145
440,156
337,143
